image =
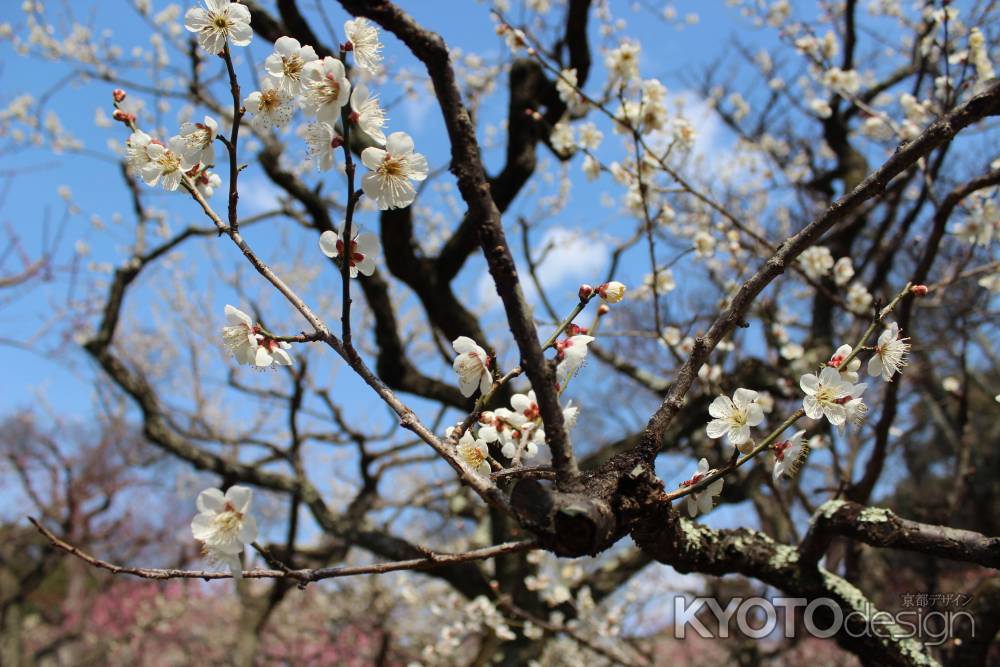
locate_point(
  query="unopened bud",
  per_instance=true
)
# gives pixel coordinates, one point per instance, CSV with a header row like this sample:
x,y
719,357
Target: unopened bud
x,y
585,292
574,329
123,116
347,46
919,290
612,292
337,141
604,309
118,94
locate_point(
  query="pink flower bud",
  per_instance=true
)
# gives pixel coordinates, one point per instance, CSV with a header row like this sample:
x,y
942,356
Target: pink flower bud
x,y
919,290
604,309
585,292
119,95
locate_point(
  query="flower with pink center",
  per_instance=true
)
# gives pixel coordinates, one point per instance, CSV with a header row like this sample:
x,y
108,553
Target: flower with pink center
x,y
571,352
325,89
702,501
288,63
364,248
787,454
849,372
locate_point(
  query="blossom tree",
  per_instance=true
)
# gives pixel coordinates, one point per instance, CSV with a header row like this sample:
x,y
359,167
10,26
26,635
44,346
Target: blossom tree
x,y
801,312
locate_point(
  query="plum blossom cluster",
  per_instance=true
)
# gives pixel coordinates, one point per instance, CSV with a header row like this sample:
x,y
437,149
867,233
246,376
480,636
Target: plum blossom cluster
x,y
250,344
833,394
295,78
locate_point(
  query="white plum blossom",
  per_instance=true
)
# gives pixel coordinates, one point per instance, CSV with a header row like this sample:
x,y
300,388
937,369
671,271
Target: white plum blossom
x,y
890,354
623,62
843,271
364,247
734,417
287,64
199,141
321,141
271,106
704,244
325,89
566,87
217,22
224,525
791,351
392,169
562,138
472,365
363,42
474,452
816,261
367,114
167,164
240,335
704,500
826,395
137,150
854,407
787,454
572,352
859,299
591,168
990,282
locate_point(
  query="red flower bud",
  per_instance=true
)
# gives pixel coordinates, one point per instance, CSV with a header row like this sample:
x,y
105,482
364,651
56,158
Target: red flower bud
x,y
118,94
604,309
585,292
919,290
123,116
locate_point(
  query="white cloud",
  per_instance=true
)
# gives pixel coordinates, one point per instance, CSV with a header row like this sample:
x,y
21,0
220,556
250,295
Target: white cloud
x,y
574,257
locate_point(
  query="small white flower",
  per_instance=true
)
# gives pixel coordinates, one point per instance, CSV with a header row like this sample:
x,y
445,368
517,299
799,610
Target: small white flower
x,y
854,407
623,62
219,21
572,352
362,40
287,64
240,335
199,141
734,417
843,271
703,501
270,106
816,261
392,169
704,244
167,164
792,351
325,88
858,298
991,282
474,452
786,456
566,86
472,365
364,248
951,384
137,150
826,395
890,354
322,140
224,525
367,114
